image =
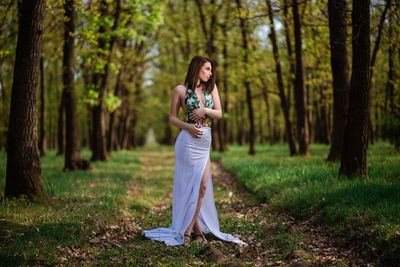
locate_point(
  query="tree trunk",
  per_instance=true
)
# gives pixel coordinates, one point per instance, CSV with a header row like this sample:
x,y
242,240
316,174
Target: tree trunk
x,y
246,83
23,175
290,55
300,94
340,68
354,156
269,119
42,139
111,138
284,105
73,160
324,130
211,51
135,113
378,39
396,131
125,118
390,83
99,149
224,121
4,111
61,126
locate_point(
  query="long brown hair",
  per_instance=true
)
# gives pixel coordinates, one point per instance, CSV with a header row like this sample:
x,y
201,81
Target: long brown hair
x,y
192,75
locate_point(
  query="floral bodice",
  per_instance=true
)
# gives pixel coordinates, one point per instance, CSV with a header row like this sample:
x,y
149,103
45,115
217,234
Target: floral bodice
x,y
192,102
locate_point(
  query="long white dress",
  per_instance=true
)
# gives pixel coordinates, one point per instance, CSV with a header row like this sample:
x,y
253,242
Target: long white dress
x,y
191,156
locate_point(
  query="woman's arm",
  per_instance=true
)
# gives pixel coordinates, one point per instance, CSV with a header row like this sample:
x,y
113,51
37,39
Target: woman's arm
x,y
215,113
177,94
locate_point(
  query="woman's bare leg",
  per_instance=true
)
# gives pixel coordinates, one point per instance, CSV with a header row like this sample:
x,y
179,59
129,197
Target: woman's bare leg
x,y
202,192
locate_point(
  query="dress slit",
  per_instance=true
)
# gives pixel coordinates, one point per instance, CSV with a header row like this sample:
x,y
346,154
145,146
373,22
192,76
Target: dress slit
x,y
191,156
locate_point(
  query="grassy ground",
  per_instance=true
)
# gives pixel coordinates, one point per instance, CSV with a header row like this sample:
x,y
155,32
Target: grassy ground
x,y
96,217
366,213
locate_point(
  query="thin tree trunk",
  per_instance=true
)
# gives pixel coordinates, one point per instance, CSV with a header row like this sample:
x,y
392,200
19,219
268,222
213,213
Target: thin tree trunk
x,y
372,63
111,140
42,135
290,54
224,121
325,136
73,159
378,39
269,119
354,156
246,83
300,94
99,149
396,131
284,105
167,139
135,113
340,68
61,126
23,174
125,114
3,133
211,51
390,83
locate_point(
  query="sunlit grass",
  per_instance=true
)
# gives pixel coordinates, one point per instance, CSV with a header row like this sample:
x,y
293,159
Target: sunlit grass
x,y
122,193
79,203
309,187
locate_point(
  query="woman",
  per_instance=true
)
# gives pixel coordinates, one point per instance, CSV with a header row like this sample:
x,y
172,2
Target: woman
x,y
193,208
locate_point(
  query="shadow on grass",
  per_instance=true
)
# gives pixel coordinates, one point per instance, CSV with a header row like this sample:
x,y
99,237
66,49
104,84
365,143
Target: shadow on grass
x,y
20,243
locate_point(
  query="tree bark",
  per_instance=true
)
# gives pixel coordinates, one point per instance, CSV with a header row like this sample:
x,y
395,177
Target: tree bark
x,y
269,118
61,126
23,175
211,51
378,39
290,54
300,94
224,122
390,86
396,131
246,83
284,105
73,160
99,141
42,139
3,133
354,156
111,138
340,69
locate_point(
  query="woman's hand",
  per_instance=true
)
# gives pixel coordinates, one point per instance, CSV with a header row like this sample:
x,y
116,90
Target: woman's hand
x,y
197,114
194,130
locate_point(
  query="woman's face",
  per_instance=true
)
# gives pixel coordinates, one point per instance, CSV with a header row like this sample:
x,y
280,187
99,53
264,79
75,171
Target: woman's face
x,y
205,72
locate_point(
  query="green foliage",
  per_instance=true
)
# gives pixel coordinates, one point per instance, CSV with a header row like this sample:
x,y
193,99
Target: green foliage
x,y
112,102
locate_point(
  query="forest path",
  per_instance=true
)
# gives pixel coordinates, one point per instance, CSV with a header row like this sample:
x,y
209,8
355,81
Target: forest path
x,y
278,239
273,238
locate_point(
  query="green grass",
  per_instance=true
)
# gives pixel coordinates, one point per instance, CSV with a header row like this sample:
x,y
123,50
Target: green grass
x,y
82,205
96,217
363,211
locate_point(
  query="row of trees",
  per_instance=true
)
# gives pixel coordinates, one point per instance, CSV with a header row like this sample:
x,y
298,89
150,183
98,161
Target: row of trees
x,y
277,63
297,78
105,31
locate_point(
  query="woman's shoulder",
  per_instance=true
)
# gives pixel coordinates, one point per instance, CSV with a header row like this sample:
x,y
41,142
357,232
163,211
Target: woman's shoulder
x,y
181,89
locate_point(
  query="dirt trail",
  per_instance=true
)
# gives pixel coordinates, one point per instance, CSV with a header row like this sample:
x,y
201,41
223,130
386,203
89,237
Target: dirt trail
x,y
274,238
318,247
